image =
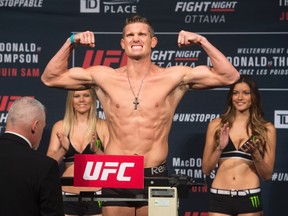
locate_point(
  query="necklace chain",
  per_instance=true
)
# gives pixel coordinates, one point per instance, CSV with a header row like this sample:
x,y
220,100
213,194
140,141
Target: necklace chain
x,y
136,101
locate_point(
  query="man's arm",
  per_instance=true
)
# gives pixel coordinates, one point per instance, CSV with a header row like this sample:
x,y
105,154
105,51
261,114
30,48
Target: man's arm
x,y
57,74
222,71
50,195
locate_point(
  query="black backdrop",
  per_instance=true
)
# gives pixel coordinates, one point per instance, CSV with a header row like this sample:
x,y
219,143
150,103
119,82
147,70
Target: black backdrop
x,y
252,34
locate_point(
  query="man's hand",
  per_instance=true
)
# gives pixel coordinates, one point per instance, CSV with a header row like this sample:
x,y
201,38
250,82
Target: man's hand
x,y
86,38
186,38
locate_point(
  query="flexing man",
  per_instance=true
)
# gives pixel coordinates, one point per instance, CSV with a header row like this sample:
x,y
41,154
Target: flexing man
x,y
140,98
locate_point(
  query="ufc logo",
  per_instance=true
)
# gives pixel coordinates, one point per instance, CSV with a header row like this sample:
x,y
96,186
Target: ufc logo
x,y
109,171
6,102
106,58
102,170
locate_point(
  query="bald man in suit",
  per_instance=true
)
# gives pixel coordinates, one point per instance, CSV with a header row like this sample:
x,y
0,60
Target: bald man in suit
x,y
30,181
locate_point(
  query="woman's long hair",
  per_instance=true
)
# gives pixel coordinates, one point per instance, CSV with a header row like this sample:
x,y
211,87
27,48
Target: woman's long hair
x,y
69,117
256,122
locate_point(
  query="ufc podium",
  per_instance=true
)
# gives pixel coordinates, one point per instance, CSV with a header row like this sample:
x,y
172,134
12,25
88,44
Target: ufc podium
x,y
163,201
123,171
163,194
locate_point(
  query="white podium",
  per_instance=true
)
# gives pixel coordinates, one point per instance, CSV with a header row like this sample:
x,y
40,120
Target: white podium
x,y
162,201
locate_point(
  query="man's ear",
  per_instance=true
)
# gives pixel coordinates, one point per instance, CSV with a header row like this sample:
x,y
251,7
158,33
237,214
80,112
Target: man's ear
x,y
154,42
122,44
34,126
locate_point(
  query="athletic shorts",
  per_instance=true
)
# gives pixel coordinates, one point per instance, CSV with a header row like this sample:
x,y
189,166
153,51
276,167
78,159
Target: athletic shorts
x,y
160,171
81,207
235,202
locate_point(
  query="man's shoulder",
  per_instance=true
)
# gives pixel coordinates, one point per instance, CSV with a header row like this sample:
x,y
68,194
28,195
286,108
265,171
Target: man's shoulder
x,y
42,160
18,152
173,70
101,69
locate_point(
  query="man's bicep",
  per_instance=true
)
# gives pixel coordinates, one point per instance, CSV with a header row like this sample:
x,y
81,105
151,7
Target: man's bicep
x,y
199,77
79,74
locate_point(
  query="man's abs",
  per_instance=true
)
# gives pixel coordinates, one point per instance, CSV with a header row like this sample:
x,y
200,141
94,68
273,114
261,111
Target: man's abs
x,y
154,153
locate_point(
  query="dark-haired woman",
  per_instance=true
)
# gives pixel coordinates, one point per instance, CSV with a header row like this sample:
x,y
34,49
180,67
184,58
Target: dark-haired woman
x,y
241,145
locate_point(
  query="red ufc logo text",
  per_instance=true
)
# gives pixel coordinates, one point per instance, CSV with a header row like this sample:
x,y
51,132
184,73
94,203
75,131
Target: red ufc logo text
x,y
106,58
6,102
102,172
114,171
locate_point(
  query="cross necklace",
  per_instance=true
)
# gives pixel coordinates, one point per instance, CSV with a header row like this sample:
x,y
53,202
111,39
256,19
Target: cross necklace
x,y
136,100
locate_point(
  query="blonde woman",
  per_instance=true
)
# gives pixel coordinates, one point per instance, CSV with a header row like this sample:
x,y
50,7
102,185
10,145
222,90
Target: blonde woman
x,y
78,133
242,143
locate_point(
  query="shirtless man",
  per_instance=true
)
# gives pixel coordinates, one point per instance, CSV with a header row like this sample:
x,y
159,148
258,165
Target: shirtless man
x,y
139,99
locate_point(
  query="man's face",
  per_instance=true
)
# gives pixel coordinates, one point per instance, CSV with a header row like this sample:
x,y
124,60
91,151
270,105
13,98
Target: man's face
x,y
137,41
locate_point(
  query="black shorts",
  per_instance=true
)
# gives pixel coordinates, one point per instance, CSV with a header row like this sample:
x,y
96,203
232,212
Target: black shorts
x,y
159,171
235,204
81,207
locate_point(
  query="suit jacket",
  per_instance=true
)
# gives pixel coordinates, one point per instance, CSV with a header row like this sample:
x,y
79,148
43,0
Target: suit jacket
x,y
30,181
